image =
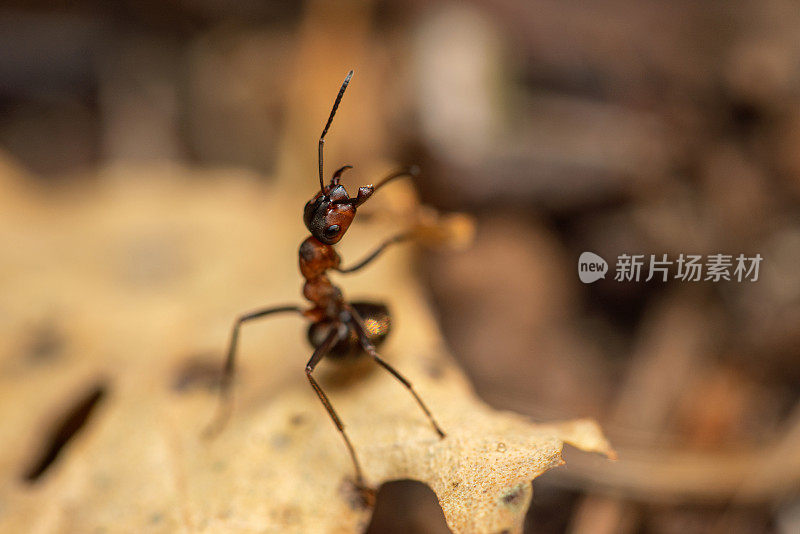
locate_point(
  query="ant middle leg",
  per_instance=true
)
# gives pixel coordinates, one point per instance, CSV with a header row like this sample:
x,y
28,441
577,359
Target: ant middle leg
x,y
358,324
320,353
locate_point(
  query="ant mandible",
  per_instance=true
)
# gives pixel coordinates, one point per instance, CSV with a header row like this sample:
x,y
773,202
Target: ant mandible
x,y
338,329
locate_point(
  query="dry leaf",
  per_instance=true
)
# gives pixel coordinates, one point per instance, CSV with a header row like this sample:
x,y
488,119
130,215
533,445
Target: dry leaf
x,y
135,283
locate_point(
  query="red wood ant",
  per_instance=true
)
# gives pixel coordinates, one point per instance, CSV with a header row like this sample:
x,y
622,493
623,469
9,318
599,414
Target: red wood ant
x,y
339,329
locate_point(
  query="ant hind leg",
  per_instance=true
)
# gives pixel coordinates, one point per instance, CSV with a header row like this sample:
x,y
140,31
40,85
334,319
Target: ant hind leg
x,y
319,353
224,406
367,345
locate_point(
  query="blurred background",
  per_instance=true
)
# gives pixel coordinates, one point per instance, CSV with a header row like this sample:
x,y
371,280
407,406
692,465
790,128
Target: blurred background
x,y
645,127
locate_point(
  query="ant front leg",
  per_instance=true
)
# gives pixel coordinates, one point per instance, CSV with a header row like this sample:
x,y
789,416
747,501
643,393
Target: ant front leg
x,y
320,353
224,408
358,324
377,252
409,172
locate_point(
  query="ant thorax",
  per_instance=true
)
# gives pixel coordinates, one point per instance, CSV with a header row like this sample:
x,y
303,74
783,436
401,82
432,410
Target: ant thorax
x,y
315,259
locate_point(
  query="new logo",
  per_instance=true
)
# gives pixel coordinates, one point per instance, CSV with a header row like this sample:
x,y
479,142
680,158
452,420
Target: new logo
x,y
591,267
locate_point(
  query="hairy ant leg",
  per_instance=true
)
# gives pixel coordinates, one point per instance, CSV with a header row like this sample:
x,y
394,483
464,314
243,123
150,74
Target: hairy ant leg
x,y
223,410
357,323
320,353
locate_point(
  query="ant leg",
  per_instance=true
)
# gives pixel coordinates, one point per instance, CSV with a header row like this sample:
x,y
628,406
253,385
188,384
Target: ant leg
x,y
411,172
224,408
367,345
320,353
362,197
377,252
364,193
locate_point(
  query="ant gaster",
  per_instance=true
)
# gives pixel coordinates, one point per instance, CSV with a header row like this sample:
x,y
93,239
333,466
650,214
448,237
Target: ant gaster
x,y
338,329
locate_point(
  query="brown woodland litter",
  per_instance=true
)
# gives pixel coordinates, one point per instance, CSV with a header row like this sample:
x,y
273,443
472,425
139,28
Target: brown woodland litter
x,y
561,127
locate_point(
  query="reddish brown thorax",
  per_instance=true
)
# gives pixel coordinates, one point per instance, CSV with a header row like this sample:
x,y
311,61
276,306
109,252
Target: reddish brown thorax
x,y
316,258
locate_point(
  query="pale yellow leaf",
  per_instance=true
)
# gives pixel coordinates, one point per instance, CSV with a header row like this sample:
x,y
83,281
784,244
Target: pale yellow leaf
x,y
138,279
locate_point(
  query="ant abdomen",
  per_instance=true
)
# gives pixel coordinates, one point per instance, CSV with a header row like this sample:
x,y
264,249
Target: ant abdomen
x,y
377,324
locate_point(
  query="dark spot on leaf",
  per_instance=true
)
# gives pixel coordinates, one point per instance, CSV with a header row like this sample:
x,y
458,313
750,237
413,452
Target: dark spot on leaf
x,y
455,484
358,498
289,515
434,369
198,372
46,343
63,430
514,496
297,419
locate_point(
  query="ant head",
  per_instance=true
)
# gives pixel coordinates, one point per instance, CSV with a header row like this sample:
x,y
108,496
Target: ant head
x,y
328,215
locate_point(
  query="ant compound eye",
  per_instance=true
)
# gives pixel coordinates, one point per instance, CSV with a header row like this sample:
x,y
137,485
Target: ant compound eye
x,y
331,231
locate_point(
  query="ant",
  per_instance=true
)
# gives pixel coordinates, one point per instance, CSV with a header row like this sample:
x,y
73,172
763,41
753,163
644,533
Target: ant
x,y
339,329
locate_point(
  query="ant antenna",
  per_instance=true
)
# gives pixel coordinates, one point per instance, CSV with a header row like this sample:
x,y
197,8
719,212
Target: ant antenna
x,y
328,125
